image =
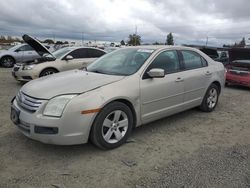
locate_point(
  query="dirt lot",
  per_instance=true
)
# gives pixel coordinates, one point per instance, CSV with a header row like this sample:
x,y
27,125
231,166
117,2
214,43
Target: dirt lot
x,y
190,149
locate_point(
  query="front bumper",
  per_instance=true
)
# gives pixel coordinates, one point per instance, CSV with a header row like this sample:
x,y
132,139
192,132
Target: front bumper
x,y
70,129
23,75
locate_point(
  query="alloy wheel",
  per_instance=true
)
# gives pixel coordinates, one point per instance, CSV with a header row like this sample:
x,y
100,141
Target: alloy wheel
x,y
115,126
212,98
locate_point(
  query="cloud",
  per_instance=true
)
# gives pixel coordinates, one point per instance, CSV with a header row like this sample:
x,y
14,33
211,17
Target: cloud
x,y
224,21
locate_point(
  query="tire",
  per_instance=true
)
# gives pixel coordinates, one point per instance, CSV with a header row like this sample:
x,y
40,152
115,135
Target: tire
x,y
7,61
112,126
47,72
210,99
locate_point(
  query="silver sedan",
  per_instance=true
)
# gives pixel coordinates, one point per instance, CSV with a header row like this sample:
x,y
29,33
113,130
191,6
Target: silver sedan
x,y
18,53
120,91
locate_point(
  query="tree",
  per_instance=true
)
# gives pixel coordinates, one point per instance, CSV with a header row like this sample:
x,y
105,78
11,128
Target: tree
x,y
156,43
134,40
59,42
48,41
170,39
242,42
2,39
9,39
122,42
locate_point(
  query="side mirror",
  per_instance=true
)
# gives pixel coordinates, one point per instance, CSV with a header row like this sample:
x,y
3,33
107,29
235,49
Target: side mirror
x,y
17,50
156,73
69,57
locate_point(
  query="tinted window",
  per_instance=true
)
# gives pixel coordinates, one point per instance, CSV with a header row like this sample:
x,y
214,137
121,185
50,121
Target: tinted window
x,y
192,60
168,61
94,53
79,53
26,48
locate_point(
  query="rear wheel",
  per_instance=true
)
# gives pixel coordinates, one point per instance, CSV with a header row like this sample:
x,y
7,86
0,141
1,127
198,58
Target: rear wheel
x,y
112,126
210,99
47,72
7,61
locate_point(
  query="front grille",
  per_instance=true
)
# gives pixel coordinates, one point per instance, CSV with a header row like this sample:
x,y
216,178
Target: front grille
x,y
239,73
28,103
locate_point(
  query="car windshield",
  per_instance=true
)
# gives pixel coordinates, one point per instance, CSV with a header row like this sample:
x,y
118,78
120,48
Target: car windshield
x,y
61,52
121,62
16,47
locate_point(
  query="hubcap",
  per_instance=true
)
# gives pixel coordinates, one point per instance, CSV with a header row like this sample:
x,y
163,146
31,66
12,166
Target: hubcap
x,y
212,98
7,62
115,126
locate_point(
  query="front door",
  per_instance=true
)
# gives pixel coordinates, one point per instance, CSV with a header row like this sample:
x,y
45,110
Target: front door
x,y
162,96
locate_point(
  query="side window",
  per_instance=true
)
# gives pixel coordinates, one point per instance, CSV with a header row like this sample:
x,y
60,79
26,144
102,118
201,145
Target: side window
x,y
193,60
94,53
79,53
168,61
26,48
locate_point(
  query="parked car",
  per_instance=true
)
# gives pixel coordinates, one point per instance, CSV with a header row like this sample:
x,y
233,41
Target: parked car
x,y
238,69
18,53
121,90
238,73
61,60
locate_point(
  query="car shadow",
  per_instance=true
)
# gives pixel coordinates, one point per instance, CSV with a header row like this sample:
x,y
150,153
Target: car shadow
x,y
238,87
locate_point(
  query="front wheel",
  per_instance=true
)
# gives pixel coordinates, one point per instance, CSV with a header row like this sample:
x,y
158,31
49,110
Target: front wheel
x,y
47,72
7,62
210,99
112,126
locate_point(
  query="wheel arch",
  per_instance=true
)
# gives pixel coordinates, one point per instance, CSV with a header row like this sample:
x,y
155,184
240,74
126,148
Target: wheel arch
x,y
127,103
48,68
217,83
7,55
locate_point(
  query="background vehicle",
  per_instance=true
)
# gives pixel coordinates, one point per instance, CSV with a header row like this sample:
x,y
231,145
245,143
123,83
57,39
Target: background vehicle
x,y
18,53
238,69
121,90
61,60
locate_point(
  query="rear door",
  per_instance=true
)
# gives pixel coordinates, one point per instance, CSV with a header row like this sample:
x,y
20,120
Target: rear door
x,y
79,59
162,96
196,77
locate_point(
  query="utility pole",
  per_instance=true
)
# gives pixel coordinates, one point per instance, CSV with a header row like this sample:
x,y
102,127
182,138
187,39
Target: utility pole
x,y
82,38
207,41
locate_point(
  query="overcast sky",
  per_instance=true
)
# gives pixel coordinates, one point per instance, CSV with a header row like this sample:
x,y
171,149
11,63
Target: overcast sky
x,y
222,21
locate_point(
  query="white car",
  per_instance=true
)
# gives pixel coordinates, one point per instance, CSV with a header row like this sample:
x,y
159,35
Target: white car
x,y
118,92
67,58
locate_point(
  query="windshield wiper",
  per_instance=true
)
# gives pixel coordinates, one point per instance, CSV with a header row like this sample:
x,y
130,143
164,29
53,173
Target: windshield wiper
x,y
97,71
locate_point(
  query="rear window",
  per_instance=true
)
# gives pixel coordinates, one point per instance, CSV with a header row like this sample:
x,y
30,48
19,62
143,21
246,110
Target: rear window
x,y
193,60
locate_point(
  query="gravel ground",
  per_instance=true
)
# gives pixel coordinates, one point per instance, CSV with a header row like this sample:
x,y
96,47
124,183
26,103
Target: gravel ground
x,y
190,149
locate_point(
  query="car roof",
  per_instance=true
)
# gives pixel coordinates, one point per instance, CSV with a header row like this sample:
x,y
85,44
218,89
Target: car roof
x,y
80,47
159,47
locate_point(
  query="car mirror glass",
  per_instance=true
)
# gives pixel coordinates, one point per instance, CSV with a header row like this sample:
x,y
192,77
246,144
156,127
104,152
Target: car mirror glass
x,y
69,57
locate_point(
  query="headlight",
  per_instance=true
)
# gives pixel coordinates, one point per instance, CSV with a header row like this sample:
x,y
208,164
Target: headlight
x,y
28,67
56,105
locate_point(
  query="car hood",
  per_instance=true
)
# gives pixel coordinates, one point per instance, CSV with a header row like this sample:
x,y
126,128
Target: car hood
x,y
69,82
36,45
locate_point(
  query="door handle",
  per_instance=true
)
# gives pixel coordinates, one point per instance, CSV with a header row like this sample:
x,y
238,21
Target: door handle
x,y
208,73
179,80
